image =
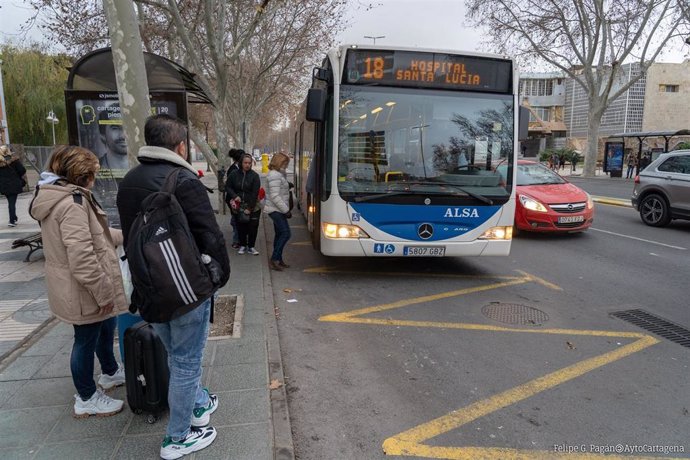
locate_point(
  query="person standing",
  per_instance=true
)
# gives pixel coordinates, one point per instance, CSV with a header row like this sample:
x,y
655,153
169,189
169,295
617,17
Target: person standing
x,y
12,181
235,155
82,273
242,195
278,207
632,162
184,336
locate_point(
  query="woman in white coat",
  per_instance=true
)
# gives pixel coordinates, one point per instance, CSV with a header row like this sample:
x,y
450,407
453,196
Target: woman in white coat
x,y
278,207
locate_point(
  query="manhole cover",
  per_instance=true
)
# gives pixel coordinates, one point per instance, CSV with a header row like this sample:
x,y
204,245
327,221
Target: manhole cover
x,y
513,313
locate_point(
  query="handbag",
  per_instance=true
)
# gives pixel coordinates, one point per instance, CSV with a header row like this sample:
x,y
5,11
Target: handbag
x,y
291,201
126,274
243,217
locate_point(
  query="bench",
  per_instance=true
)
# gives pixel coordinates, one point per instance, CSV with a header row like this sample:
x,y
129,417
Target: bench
x,y
35,242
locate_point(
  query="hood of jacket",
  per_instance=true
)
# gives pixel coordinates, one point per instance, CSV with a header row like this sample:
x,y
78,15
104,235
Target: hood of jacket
x,y
160,153
49,195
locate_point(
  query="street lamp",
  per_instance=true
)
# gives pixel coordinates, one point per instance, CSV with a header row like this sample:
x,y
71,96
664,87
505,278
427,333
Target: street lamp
x,y
374,38
53,120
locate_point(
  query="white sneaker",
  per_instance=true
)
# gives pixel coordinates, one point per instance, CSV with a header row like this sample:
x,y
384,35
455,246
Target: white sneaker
x,y
99,404
242,250
253,252
107,382
201,416
196,439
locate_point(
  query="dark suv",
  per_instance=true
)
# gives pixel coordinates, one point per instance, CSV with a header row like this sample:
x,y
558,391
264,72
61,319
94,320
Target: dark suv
x,y
662,189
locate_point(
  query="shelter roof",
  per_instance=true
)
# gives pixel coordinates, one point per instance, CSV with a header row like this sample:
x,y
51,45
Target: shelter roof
x,y
96,72
644,134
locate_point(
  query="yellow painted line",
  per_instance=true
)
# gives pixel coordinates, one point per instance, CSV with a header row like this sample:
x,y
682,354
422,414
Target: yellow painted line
x,y
298,226
428,298
301,243
410,442
541,281
612,201
345,271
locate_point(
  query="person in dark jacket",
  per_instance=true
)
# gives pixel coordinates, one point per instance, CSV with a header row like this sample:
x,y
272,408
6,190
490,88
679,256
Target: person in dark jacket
x,y
184,337
12,180
242,195
235,155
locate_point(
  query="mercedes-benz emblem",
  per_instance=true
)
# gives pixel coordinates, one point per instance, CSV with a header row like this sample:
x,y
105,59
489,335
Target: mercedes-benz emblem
x,y
425,231
427,201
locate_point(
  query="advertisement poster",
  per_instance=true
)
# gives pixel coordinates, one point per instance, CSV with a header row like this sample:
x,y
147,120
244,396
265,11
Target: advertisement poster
x,y
95,122
613,158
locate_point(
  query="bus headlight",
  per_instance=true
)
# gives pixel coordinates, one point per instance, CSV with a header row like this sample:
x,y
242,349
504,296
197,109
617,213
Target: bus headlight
x,y
498,233
343,231
532,204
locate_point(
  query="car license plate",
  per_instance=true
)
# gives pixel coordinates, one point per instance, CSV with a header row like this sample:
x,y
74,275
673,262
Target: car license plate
x,y
570,219
424,251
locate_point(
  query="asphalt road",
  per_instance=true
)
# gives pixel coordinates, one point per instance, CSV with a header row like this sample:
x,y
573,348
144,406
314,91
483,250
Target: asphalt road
x,y
420,356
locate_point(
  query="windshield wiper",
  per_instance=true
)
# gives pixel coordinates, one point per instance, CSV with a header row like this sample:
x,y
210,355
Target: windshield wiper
x,y
360,199
476,196
483,199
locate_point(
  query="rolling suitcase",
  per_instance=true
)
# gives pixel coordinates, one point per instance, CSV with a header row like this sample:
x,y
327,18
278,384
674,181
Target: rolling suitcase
x,y
146,371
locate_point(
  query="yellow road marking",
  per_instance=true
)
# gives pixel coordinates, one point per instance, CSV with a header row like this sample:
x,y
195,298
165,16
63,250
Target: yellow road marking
x,y
411,442
298,226
301,243
347,271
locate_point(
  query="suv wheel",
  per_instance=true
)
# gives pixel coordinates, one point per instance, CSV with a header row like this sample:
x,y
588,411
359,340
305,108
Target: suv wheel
x,y
654,211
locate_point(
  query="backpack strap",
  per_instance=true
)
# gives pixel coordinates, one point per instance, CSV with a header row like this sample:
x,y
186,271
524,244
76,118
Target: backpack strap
x,y
170,183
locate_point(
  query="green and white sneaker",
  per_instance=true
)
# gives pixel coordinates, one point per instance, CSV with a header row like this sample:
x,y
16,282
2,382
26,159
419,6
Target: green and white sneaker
x,y
201,416
196,439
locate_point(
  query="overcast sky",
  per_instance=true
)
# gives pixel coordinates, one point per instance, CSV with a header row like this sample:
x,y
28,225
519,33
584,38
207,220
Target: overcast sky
x,y
415,23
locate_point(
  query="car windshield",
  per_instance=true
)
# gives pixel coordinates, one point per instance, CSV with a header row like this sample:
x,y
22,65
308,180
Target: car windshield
x,y
533,174
403,141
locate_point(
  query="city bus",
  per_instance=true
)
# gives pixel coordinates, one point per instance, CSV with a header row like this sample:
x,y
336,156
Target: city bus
x,y
395,153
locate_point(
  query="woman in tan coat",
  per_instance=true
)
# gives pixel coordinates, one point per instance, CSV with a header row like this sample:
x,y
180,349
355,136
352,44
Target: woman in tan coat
x,y
82,272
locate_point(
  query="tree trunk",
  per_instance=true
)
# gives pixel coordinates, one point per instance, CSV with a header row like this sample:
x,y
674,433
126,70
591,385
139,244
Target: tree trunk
x,y
130,73
593,124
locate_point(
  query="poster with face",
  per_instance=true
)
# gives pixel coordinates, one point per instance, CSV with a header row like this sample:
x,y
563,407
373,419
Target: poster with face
x,y
95,122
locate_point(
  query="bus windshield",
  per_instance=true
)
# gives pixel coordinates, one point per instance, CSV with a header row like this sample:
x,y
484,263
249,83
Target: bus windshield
x,y
410,141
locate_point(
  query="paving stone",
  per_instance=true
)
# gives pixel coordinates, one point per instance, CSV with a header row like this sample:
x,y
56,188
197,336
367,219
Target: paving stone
x,y
27,427
240,352
240,442
92,449
23,368
238,407
238,377
48,346
139,425
18,454
139,447
8,389
43,392
69,428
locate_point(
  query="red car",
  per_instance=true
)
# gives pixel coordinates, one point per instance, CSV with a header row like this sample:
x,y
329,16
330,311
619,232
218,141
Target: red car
x,y
545,202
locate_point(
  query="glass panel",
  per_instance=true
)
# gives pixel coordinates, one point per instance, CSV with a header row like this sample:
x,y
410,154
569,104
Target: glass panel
x,y
533,174
412,141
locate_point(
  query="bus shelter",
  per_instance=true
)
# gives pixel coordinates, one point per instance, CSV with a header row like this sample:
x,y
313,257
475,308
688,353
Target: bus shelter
x,y
94,120
641,137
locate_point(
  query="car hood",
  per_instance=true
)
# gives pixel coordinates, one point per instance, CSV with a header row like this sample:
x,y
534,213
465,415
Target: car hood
x,y
554,193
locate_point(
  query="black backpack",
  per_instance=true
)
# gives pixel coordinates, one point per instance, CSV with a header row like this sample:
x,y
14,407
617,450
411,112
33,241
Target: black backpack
x,y
168,274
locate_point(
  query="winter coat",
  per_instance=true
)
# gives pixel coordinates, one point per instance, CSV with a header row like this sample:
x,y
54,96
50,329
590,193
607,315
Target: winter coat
x,y
11,173
82,270
277,193
155,163
245,185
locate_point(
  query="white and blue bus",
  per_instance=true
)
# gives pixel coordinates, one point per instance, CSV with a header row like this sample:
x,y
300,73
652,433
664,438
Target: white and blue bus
x,y
395,153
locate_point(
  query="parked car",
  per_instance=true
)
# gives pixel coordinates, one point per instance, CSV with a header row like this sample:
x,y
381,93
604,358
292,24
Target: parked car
x,y
545,202
662,189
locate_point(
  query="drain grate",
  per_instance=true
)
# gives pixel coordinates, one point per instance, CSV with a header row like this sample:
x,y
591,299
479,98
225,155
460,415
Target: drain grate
x,y
513,313
655,324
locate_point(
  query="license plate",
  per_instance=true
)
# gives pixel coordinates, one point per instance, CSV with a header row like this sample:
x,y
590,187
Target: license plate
x,y
570,219
424,251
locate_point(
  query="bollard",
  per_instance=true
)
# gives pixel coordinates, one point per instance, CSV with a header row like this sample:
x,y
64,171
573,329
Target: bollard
x,y
264,163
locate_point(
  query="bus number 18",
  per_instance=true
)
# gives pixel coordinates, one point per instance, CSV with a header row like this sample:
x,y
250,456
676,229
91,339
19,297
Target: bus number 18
x,y
374,68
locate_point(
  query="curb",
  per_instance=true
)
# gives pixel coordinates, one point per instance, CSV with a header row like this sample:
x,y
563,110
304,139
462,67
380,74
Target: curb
x,y
9,356
283,448
612,201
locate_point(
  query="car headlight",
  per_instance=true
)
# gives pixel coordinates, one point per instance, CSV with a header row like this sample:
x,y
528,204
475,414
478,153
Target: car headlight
x,y
590,201
532,204
343,231
498,233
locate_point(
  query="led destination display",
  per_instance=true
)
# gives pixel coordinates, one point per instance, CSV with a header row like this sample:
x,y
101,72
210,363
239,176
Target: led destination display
x,y
427,70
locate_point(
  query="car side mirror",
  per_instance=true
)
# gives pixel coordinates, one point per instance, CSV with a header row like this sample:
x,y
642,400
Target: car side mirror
x,y
316,104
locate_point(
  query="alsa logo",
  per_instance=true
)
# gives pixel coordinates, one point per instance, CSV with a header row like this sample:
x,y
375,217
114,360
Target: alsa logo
x,y
461,212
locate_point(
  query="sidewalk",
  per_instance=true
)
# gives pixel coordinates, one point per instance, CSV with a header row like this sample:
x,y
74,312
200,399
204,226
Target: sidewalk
x,y
36,389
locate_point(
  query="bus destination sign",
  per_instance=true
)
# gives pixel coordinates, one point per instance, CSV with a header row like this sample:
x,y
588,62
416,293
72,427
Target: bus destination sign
x,y
428,70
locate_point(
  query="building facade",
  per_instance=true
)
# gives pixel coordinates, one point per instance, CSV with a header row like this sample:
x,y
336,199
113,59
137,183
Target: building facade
x,y
667,100
544,95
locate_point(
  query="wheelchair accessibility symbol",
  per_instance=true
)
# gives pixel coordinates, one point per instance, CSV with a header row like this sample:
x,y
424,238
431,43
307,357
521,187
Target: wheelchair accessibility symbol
x,y
389,249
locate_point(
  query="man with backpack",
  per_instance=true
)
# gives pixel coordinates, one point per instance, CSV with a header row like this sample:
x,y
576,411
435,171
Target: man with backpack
x,y
178,259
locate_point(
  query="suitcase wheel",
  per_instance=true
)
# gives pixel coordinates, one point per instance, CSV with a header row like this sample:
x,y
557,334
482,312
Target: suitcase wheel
x,y
151,419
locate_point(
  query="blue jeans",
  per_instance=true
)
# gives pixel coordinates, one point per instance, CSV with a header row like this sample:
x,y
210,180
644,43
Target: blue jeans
x,y
185,338
282,231
12,205
90,338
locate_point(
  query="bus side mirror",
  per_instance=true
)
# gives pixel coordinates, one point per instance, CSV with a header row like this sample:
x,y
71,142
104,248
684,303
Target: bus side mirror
x,y
523,123
316,104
